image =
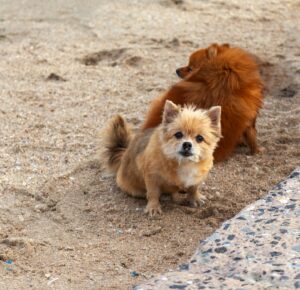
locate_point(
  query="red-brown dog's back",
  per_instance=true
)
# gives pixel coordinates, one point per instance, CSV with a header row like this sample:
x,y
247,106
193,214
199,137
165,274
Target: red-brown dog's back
x,y
228,78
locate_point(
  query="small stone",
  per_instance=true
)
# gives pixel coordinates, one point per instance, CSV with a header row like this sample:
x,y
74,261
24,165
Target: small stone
x,y
176,286
275,254
283,231
41,207
241,218
270,221
119,231
226,226
290,206
220,250
283,245
134,274
55,77
207,251
184,267
294,174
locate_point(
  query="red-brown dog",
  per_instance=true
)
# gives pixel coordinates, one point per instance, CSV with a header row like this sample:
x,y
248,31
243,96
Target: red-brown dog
x,y
224,76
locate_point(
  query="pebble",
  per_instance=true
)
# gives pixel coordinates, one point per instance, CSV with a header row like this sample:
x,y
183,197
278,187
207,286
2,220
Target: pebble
x,y
134,274
41,207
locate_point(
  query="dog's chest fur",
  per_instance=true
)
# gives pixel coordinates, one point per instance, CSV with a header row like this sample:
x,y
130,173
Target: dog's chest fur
x,y
188,175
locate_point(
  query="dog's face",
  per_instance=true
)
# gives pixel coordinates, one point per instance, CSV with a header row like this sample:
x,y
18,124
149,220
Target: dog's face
x,y
199,57
190,134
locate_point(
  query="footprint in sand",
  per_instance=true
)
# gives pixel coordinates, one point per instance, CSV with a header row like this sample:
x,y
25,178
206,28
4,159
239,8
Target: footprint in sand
x,y
96,57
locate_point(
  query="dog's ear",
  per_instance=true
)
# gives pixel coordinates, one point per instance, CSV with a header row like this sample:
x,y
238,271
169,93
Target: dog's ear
x,y
170,112
214,114
212,51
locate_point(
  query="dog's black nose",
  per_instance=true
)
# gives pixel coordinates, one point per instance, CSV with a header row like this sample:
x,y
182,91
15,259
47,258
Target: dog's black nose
x,y
178,72
187,146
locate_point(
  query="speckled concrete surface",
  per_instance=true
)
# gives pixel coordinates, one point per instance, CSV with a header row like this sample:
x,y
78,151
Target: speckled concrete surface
x,y
257,249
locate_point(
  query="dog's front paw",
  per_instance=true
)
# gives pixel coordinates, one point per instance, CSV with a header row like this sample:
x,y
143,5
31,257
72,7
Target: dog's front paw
x,y
197,201
257,150
153,209
260,149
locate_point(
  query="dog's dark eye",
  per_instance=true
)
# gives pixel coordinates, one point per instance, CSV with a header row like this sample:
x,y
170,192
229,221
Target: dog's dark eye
x,y
178,135
189,69
199,138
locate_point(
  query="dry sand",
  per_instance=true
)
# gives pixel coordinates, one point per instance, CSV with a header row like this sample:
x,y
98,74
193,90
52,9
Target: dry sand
x,y
65,68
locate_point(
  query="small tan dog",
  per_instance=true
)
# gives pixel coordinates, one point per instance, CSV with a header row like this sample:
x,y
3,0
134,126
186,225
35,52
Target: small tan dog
x,y
175,156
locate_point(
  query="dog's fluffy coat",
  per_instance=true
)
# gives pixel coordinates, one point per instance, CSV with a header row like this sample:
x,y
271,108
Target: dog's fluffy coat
x,y
224,76
154,162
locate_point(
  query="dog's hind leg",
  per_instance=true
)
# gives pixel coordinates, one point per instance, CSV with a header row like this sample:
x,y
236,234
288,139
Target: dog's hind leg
x,y
251,140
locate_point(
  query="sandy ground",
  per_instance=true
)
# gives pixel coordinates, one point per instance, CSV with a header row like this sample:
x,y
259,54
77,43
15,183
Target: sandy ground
x,y
63,222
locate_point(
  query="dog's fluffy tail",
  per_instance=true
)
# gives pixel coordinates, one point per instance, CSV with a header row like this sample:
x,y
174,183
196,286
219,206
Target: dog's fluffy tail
x,y
116,139
229,72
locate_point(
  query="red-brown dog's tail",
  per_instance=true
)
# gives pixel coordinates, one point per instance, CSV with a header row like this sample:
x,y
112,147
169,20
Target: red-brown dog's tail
x,y
117,137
